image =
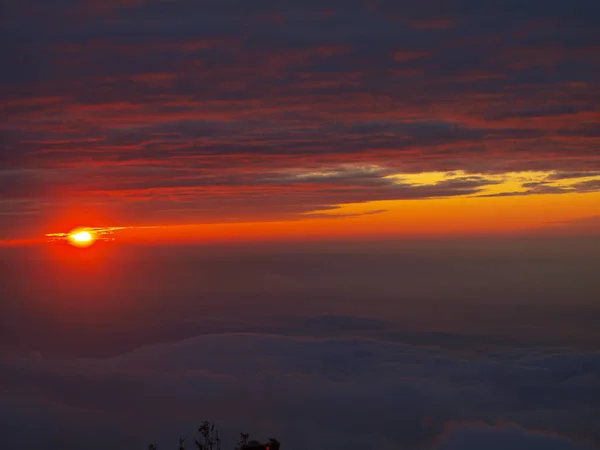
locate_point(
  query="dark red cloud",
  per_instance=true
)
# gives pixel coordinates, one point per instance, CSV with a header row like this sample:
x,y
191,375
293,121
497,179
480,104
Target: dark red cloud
x,y
227,92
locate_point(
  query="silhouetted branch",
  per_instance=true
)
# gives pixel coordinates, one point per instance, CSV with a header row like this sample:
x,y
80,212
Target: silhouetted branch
x,y
242,441
210,439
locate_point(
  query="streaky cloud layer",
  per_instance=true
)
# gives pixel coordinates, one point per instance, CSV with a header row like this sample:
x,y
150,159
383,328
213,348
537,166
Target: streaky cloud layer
x,y
191,111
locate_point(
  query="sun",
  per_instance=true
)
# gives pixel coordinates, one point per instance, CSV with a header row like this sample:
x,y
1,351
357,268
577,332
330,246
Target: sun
x,y
81,238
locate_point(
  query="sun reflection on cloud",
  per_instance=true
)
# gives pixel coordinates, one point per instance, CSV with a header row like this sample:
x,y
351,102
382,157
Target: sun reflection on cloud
x,y
527,182
85,236
427,202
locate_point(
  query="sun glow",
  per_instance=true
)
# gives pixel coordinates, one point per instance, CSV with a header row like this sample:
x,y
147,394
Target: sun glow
x,y
81,238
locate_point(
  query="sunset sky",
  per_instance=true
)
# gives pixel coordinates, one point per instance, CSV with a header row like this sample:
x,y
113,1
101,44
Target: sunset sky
x,y
224,120
345,224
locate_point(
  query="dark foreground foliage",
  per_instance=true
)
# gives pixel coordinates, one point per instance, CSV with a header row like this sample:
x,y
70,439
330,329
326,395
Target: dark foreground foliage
x,y
210,440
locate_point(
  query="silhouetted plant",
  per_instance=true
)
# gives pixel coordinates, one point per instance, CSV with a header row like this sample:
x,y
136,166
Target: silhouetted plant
x,y
210,440
210,437
242,441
